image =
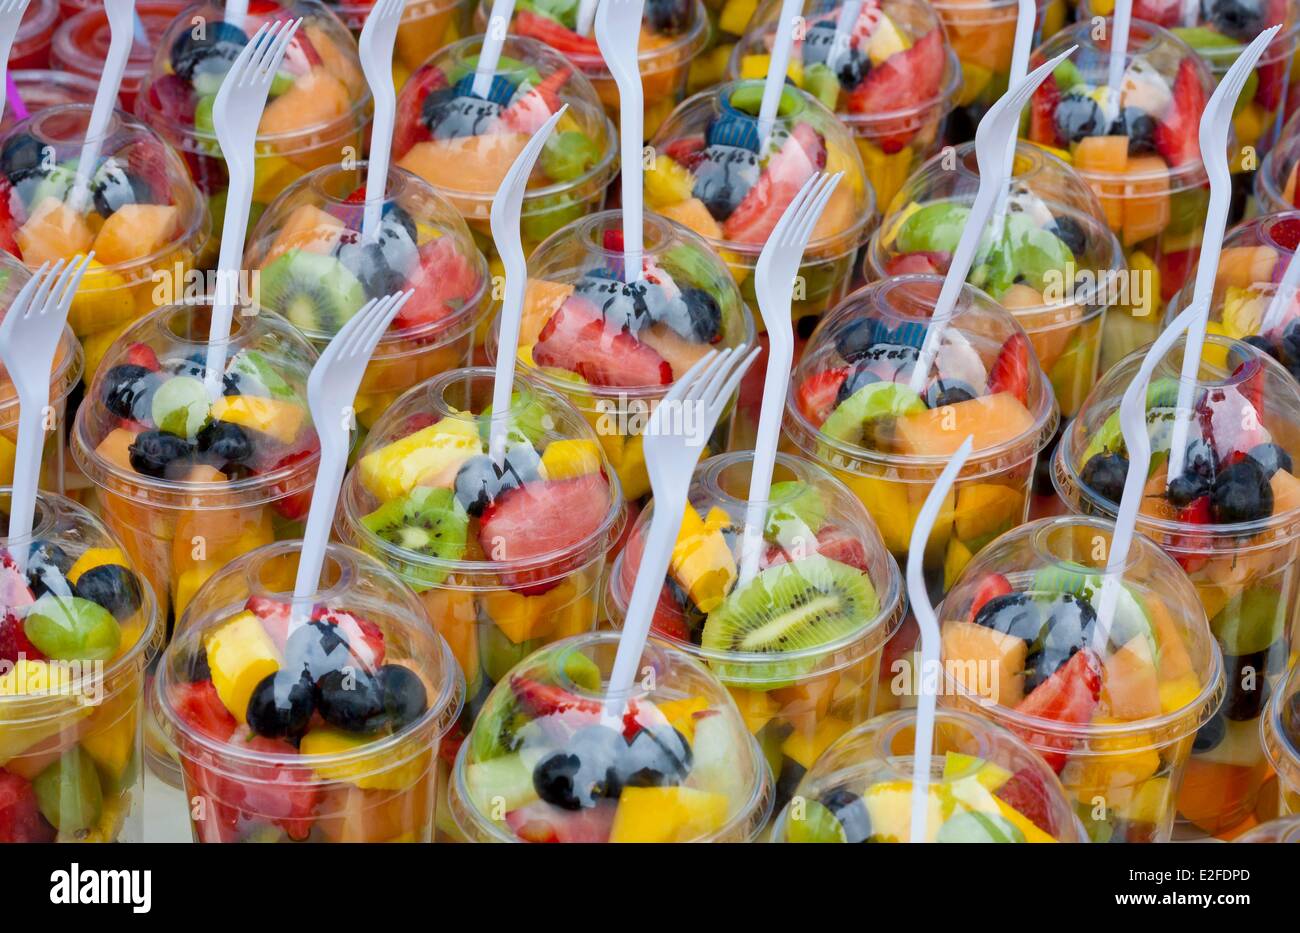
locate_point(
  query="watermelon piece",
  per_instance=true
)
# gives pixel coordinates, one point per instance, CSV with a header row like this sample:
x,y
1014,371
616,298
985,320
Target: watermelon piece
x,y
530,110
1166,13
1069,696
20,815
285,795
555,34
576,339
202,710
1042,114
786,171
905,81
817,394
443,282
1174,271
542,822
409,126
1177,135
1010,371
990,587
918,263
1196,512
687,151
843,546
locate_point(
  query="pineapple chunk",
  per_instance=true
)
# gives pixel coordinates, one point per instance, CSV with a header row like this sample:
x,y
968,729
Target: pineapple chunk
x,y
667,814
276,417
568,459
429,457
363,773
702,560
667,182
241,655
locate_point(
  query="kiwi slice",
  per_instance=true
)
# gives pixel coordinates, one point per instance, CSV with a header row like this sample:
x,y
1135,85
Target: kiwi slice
x,y
852,419
792,606
1162,396
314,292
427,522
799,516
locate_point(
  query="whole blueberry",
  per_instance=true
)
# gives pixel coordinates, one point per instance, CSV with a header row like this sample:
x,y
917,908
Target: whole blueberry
x,y
225,442
152,452
280,706
351,699
1105,473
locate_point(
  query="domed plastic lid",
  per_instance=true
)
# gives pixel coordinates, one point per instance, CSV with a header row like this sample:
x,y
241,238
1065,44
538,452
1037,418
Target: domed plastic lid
x,y
1153,140
1284,829
357,692
39,90
715,175
1280,729
1238,475
315,268
148,429
851,401
79,619
318,88
137,209
678,766
818,545
584,328
67,367
353,13
426,497
464,145
1021,643
1054,252
986,785
898,76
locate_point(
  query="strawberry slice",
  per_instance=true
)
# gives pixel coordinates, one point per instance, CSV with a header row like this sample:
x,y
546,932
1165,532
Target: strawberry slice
x,y
534,107
294,506
668,619
1192,551
575,338
365,639
556,35
817,394
542,822
905,81
1042,114
1070,697
14,595
687,151
1025,793
141,354
202,710
1010,371
274,616
409,125
787,169
1176,135
990,587
542,699
918,263
443,282
20,814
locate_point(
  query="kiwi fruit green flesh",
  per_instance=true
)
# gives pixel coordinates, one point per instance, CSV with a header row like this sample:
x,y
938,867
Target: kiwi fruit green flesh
x,y
870,403
789,607
818,825
799,513
68,792
970,826
314,292
529,422
1162,393
1250,622
427,522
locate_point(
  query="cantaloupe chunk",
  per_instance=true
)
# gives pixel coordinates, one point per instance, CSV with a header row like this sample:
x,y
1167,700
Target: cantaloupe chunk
x,y
1105,155
135,231
472,164
1286,492
53,231
542,299
309,229
1244,266
938,432
1129,687
316,98
985,662
693,215
985,508
1146,205
1173,660
115,448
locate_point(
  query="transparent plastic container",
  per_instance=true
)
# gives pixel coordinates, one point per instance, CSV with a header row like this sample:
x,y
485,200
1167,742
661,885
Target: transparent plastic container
x,y
1114,713
683,767
1279,830
324,730
1275,182
427,27
138,211
31,48
573,337
80,626
315,115
1144,163
986,785
1231,520
40,89
897,106
315,268
714,175
800,683
1280,730
81,44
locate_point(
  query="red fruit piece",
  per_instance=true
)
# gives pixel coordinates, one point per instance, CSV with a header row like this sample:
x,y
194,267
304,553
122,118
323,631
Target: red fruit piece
x,y
1042,114
1025,793
542,822
170,97
14,595
992,586
843,546
549,700
1167,13
787,169
905,81
286,795
443,282
817,394
534,107
687,151
409,127
575,338
365,639
1192,551
274,616
556,35
141,354
20,815
450,745
199,706
1070,697
1176,135
148,163
1174,270
919,263
1010,371
295,505
8,221
612,240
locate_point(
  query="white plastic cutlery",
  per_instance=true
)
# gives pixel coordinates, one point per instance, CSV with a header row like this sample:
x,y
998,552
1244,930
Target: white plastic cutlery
x,y
618,30
376,50
121,21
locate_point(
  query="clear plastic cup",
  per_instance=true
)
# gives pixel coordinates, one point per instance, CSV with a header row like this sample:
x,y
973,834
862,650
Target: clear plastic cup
x,y
683,768
427,27
1280,830
140,213
894,96
81,44
65,374
673,34
713,174
314,230
614,351
1114,714
1280,732
1231,520
986,785
39,90
851,409
799,683
1275,182
31,48
324,731
1144,165
316,113
80,626
466,158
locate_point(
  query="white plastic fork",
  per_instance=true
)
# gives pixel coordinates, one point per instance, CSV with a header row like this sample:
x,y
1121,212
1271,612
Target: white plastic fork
x,y
376,50
489,52
11,17
506,207
121,21
236,114
1216,122
29,337
331,390
670,457
618,30
774,86
1121,17
1001,123
774,276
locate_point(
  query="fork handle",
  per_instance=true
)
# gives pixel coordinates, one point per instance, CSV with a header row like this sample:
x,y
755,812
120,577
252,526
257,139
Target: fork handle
x,y
27,468
316,533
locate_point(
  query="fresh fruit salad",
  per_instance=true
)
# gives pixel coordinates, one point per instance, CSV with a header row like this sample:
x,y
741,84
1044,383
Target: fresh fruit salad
x,y
187,480
1230,517
851,409
986,785
893,87
715,174
673,33
427,26
1139,153
323,728
614,348
464,145
315,267
77,631
1281,733
545,764
798,643
136,208
316,110
1111,707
